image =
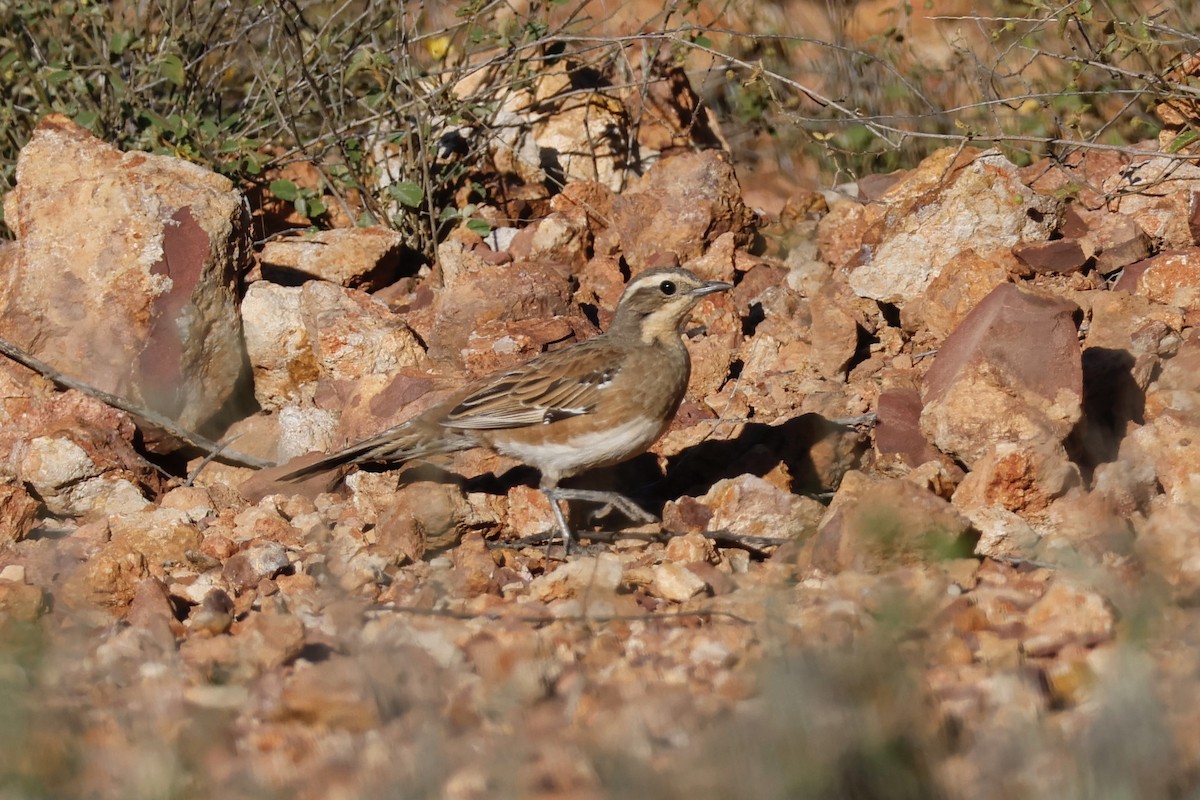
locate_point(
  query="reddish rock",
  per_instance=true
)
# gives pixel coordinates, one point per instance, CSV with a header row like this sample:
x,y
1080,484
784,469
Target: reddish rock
x,y
750,506
1167,541
1021,477
144,304
676,583
475,292
1171,278
1054,257
982,206
840,233
1116,239
259,561
877,524
1160,194
681,205
362,258
983,388
423,516
957,289
18,512
834,330
898,430
1066,615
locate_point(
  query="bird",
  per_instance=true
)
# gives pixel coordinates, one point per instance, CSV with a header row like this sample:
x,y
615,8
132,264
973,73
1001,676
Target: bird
x,y
590,404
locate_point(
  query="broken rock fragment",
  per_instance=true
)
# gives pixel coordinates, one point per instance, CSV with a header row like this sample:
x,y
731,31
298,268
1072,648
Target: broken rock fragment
x,y
1010,372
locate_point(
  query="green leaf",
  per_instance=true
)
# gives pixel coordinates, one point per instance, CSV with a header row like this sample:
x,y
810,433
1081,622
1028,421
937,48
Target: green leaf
x,y
1182,140
301,206
285,190
87,119
479,226
316,207
408,193
120,41
170,67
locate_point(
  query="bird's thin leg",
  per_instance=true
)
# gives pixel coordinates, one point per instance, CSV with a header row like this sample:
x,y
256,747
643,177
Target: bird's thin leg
x,y
618,501
553,495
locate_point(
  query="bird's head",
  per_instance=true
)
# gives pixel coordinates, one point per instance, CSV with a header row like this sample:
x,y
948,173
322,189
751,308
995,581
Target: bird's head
x,y
656,303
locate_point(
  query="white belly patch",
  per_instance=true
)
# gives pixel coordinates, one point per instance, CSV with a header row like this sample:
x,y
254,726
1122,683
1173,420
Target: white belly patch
x,y
606,447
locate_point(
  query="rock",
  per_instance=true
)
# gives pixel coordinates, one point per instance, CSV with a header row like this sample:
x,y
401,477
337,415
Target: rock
x,y
877,524
1002,533
353,335
1021,477
475,292
840,233
1171,278
983,206
1166,540
298,337
337,693
1116,239
579,578
1159,194
750,506
360,258
1066,614
962,283
1054,257
70,483
213,616
259,561
126,274
691,548
140,545
18,512
681,205
898,430
423,516
1170,444
982,388
21,602
834,330
281,357
676,583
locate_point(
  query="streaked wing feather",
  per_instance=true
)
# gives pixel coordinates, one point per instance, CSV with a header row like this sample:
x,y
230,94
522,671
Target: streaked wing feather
x,y
560,384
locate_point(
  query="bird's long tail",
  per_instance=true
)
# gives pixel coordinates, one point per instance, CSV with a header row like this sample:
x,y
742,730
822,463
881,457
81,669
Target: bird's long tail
x,y
404,442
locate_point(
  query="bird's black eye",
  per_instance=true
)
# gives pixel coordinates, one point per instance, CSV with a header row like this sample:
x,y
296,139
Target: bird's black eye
x,y
667,287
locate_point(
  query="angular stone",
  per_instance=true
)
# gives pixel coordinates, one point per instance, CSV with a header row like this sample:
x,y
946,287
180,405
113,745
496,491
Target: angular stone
x,y
1167,540
984,388
1022,477
1160,194
983,206
1066,614
259,561
898,431
750,506
1171,278
682,205
958,288
579,578
877,524
1116,239
1054,257
676,583
360,258
126,272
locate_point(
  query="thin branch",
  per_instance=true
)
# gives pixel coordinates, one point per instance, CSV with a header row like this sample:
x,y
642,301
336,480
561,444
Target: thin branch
x,y
158,420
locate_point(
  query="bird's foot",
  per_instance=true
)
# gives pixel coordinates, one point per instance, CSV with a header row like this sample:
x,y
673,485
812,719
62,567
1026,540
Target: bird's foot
x,y
608,500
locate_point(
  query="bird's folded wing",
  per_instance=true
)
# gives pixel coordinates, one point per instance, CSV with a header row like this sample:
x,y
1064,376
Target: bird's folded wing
x,y
542,391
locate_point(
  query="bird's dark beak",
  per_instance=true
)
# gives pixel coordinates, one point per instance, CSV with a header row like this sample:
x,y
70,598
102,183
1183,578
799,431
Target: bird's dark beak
x,y
710,287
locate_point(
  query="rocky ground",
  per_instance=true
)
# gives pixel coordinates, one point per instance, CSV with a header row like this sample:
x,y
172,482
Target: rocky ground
x,y
989,593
